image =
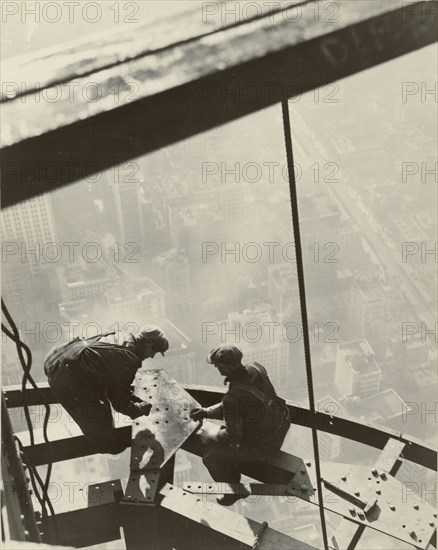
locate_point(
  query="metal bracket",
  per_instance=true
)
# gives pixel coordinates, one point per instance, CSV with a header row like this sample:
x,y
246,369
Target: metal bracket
x,y
108,492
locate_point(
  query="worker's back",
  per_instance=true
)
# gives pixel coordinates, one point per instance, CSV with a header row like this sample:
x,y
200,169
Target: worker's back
x,y
93,359
265,416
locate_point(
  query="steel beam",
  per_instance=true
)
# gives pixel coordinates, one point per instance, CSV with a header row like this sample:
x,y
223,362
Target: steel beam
x,y
179,89
415,451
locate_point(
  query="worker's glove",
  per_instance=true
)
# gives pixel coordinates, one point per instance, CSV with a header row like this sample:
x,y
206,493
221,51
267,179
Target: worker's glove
x,y
197,414
145,408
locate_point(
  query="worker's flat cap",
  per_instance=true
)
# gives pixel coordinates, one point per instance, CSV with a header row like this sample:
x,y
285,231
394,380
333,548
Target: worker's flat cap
x,y
155,336
226,353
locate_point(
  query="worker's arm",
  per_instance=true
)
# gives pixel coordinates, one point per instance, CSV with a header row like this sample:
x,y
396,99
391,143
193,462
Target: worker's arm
x,y
213,412
120,368
232,432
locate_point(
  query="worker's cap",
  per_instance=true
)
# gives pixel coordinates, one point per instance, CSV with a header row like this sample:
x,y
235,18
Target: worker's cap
x,y
227,354
154,335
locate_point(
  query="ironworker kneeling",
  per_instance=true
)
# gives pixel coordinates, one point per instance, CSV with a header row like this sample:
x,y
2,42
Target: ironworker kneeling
x,y
86,375
256,419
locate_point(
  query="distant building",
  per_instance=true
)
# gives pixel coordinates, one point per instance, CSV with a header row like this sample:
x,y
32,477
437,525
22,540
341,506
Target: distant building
x,y
283,287
128,209
370,314
138,300
357,372
319,225
16,285
29,222
384,197
12,372
414,352
91,290
179,360
193,223
350,244
172,272
385,408
155,230
406,229
29,236
74,310
423,384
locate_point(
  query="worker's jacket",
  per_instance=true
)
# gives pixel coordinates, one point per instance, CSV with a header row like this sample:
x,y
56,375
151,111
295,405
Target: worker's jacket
x,y
96,366
254,415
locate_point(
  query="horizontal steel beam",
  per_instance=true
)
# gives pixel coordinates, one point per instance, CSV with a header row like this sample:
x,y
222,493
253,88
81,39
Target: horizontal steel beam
x,y
375,436
182,89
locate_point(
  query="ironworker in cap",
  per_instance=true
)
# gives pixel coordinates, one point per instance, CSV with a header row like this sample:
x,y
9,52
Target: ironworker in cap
x,y
256,419
87,375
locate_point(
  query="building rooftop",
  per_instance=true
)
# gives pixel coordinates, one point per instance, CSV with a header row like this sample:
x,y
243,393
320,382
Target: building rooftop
x,y
194,213
250,330
425,377
410,229
172,256
385,405
317,206
370,290
132,289
359,355
284,277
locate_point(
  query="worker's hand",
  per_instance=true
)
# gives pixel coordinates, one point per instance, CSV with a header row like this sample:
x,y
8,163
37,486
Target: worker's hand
x,y
197,414
145,408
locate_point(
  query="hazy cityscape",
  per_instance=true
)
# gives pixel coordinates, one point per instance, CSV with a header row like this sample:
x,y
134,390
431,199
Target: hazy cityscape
x,y
197,238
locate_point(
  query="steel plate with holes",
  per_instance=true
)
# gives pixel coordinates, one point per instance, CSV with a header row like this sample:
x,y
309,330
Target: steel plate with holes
x,y
155,438
107,492
403,516
142,486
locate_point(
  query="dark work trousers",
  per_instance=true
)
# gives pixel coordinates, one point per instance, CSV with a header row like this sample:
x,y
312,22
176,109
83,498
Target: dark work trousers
x,y
225,462
88,406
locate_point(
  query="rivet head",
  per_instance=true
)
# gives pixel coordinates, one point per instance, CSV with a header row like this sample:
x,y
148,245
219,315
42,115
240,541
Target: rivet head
x,y
392,508
352,511
413,534
303,471
378,492
375,472
416,507
304,488
383,475
432,524
308,464
357,494
361,515
344,478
